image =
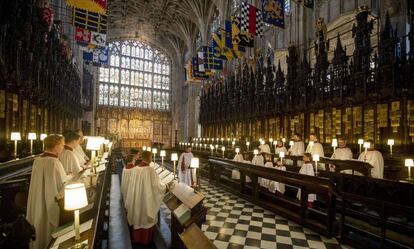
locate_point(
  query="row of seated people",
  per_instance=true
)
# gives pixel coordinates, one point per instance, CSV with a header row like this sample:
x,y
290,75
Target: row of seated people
x,y
142,191
371,155
62,159
267,161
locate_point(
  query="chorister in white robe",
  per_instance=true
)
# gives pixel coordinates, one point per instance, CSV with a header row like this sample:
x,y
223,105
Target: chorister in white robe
x,y
258,160
374,158
263,181
265,148
307,169
143,201
277,186
185,173
70,161
343,154
280,149
127,175
235,173
80,154
46,182
316,149
297,149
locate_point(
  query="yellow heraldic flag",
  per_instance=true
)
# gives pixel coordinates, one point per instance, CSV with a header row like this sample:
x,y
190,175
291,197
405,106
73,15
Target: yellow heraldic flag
x,y
89,5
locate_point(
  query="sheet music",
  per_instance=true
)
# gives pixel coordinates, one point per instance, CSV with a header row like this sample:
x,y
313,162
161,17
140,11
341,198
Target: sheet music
x,y
168,178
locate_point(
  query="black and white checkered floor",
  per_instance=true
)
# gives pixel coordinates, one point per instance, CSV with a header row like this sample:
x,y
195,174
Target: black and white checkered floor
x,y
233,222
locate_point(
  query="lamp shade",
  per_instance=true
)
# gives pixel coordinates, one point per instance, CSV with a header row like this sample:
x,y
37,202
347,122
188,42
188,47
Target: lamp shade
x,y
75,196
291,143
237,150
106,141
262,142
271,140
149,149
195,162
256,151
15,136
216,146
233,143
311,143
315,157
174,157
409,162
211,147
223,148
366,145
32,136
390,142
144,147
284,140
334,142
43,136
154,151
282,154
275,142
247,143
162,153
94,143
360,141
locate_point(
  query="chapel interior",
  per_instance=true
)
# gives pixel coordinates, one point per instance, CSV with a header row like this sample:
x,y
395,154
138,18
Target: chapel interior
x,y
198,124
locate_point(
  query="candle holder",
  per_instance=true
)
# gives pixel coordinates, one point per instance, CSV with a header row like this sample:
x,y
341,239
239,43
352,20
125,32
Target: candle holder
x,y
271,141
247,144
281,156
283,141
409,163
195,164
174,158
360,142
366,146
223,149
154,152
390,142
15,136
316,159
162,155
334,145
32,136
237,150
42,138
291,143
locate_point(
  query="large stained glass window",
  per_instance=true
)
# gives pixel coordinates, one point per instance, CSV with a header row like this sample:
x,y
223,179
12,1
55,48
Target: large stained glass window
x,y
138,76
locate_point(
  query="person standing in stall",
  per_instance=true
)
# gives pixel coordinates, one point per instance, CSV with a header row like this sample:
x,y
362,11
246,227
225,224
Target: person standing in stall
x,y
47,180
185,173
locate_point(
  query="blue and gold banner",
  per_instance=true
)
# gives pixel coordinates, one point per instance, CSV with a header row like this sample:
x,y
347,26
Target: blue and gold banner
x,y
274,12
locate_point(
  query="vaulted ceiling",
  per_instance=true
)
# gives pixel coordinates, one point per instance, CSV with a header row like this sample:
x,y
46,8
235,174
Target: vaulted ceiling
x,y
172,25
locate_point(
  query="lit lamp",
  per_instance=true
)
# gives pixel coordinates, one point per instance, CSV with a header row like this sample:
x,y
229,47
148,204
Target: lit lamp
x,y
211,148
162,155
233,143
93,144
154,151
237,150
360,142
15,136
271,141
144,148
256,152
316,159
32,136
409,163
281,155
223,149
228,141
366,146
75,199
216,147
174,158
205,146
247,144
334,145
262,142
390,142
42,137
283,141
195,164
149,149
291,143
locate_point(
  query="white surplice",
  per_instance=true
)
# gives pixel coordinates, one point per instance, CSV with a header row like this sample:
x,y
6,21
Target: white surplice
x,y
127,175
265,148
80,154
307,169
235,173
277,186
343,154
280,149
46,181
70,161
374,158
186,175
263,181
297,149
258,160
317,149
143,201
